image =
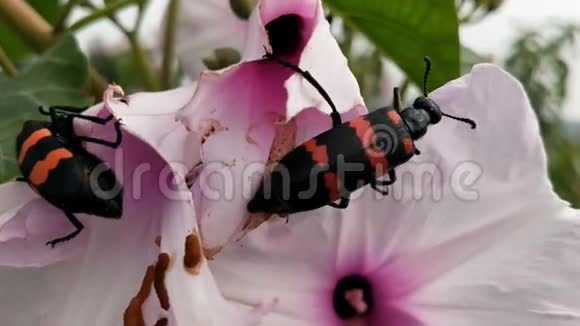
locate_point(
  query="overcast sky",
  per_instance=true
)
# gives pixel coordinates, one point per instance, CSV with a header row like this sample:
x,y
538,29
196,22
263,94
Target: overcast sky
x,y
492,36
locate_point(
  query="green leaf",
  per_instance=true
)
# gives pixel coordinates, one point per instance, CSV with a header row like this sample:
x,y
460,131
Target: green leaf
x,y
58,77
408,30
15,48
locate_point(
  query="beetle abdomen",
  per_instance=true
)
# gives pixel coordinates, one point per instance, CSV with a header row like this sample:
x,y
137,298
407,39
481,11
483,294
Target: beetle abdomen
x,y
64,176
335,163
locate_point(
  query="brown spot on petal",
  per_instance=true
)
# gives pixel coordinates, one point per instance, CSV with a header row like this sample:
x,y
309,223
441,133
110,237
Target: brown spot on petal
x,y
160,269
162,322
133,315
193,254
158,241
284,142
213,127
254,220
249,138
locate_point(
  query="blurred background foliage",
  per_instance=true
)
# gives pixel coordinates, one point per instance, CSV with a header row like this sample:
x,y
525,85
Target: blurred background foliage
x,y
537,59
374,35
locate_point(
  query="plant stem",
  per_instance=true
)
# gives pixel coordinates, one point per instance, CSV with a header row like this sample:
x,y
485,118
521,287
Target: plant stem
x,y
140,13
7,65
111,17
151,83
169,44
100,13
98,82
37,33
59,25
150,80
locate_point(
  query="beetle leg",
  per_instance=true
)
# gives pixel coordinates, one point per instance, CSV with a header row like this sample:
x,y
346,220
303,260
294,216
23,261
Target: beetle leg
x,y
103,142
375,185
77,224
392,179
69,109
192,175
101,121
336,119
397,99
286,217
50,112
342,204
74,113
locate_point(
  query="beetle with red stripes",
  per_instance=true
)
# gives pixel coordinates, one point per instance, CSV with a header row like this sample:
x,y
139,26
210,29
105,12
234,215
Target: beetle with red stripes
x,y
330,166
55,164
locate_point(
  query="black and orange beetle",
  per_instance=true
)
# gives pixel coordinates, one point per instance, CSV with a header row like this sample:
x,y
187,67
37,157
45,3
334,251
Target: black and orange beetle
x,y
54,163
347,157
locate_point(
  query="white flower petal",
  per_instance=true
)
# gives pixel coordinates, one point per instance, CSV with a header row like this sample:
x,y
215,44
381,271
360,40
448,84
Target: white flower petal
x,y
27,222
230,108
489,170
192,292
443,246
506,144
311,250
320,53
530,278
151,117
274,319
445,257
14,195
239,107
97,287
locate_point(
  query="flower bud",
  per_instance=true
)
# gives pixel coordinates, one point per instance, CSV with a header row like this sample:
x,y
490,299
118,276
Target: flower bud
x,y
243,8
222,58
489,5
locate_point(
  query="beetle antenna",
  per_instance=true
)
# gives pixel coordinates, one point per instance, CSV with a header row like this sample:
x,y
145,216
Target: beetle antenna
x,y
426,76
468,121
397,99
306,75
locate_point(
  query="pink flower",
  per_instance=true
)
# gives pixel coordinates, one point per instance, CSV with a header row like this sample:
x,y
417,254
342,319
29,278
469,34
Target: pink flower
x,y
471,234
261,110
144,268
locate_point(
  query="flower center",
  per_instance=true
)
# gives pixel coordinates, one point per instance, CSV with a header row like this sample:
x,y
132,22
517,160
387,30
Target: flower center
x,y
352,297
285,34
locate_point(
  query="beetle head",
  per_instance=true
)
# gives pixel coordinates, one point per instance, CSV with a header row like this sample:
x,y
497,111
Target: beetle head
x,y
424,111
